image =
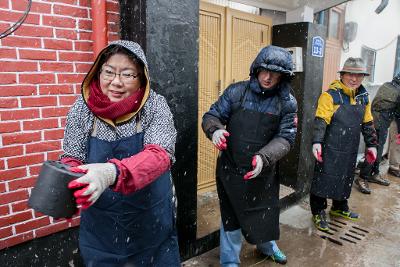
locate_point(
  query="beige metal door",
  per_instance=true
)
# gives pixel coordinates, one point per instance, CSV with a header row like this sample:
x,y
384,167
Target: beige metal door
x,y
211,68
229,40
333,47
331,63
246,35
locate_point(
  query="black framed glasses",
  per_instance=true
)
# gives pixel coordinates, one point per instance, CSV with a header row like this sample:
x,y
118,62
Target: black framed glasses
x,y
125,76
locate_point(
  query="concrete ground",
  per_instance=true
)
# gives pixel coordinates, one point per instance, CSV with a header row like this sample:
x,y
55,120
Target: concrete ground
x,y
373,240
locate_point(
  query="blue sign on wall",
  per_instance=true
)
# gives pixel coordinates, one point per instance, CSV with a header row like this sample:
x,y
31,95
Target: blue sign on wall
x,y
317,46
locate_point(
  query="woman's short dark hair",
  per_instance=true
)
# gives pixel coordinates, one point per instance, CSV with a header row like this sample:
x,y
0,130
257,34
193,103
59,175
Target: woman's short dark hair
x,y
117,49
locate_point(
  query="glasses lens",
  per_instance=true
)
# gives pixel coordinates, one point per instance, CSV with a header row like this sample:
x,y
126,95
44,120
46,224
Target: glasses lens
x,y
128,77
125,77
107,74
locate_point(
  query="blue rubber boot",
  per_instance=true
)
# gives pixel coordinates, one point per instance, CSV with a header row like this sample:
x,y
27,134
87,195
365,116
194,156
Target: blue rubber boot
x,y
271,250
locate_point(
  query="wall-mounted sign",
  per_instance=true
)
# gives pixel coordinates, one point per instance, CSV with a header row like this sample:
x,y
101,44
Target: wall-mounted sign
x,y
317,46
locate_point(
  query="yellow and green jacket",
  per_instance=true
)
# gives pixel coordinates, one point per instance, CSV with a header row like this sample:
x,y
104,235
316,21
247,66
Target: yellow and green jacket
x,y
326,107
332,99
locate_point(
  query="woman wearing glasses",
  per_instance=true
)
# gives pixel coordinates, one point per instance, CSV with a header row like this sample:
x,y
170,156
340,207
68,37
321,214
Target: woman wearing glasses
x,y
121,134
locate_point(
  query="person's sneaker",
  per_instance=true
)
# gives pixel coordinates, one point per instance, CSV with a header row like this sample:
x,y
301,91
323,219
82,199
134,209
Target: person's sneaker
x,y
345,214
362,185
394,172
320,221
378,179
278,257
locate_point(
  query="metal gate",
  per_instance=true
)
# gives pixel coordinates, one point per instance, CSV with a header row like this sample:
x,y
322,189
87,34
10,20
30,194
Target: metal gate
x,y
229,40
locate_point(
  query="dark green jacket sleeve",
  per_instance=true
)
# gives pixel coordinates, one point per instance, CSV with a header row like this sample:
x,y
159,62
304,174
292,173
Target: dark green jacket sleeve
x,y
319,130
369,133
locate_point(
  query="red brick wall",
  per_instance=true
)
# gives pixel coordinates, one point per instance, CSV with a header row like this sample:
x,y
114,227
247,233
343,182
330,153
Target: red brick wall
x,y
42,65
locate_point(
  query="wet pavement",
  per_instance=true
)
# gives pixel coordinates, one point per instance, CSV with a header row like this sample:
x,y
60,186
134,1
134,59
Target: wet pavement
x,y
373,240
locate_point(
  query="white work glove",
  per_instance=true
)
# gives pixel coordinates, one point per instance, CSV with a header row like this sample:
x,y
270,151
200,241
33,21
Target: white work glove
x,y
98,177
370,155
219,140
257,164
317,151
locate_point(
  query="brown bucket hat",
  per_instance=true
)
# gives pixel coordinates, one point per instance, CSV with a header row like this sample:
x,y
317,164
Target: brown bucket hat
x,y
354,65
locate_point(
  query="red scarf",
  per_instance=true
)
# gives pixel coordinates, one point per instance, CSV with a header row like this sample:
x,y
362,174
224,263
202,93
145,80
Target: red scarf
x,y
101,105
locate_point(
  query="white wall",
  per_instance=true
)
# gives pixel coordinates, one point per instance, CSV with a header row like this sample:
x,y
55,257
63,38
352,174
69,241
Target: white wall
x,y
376,31
301,14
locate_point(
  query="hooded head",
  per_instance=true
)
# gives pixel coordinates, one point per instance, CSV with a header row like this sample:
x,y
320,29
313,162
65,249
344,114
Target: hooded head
x,y
273,58
120,72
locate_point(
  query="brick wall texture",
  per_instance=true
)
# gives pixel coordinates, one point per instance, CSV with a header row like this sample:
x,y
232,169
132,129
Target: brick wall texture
x,y
42,65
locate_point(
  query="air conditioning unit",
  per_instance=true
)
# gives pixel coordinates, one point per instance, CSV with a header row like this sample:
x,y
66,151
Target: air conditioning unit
x,y
350,31
297,58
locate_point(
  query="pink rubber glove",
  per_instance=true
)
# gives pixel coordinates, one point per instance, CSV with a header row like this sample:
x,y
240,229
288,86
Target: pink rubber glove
x,y
219,140
370,155
99,177
317,151
257,164
80,200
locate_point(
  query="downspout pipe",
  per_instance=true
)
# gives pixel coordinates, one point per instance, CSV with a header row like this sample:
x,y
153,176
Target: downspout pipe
x,y
382,6
99,26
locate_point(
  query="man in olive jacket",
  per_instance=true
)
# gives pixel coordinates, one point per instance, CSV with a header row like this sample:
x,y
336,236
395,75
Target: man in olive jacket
x,y
385,109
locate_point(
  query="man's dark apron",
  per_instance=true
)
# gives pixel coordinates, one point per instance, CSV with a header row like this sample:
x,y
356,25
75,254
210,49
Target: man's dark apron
x,y
334,177
251,205
129,230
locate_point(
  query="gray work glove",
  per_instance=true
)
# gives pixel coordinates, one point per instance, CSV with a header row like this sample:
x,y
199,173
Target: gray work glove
x,y
317,151
257,164
98,177
219,140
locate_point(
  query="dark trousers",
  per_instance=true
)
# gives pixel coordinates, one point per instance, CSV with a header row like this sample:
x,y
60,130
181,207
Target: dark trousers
x,y
366,169
319,204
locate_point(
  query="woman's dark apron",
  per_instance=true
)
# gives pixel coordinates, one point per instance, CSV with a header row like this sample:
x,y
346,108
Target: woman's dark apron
x,y
334,177
251,205
129,230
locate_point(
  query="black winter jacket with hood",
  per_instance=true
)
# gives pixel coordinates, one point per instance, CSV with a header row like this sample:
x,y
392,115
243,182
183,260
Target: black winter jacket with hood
x,y
278,101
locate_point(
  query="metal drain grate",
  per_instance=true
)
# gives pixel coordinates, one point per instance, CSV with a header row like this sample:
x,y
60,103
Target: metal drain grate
x,y
341,232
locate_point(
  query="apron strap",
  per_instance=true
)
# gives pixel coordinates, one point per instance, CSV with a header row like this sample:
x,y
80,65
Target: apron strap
x,y
138,123
94,128
244,96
